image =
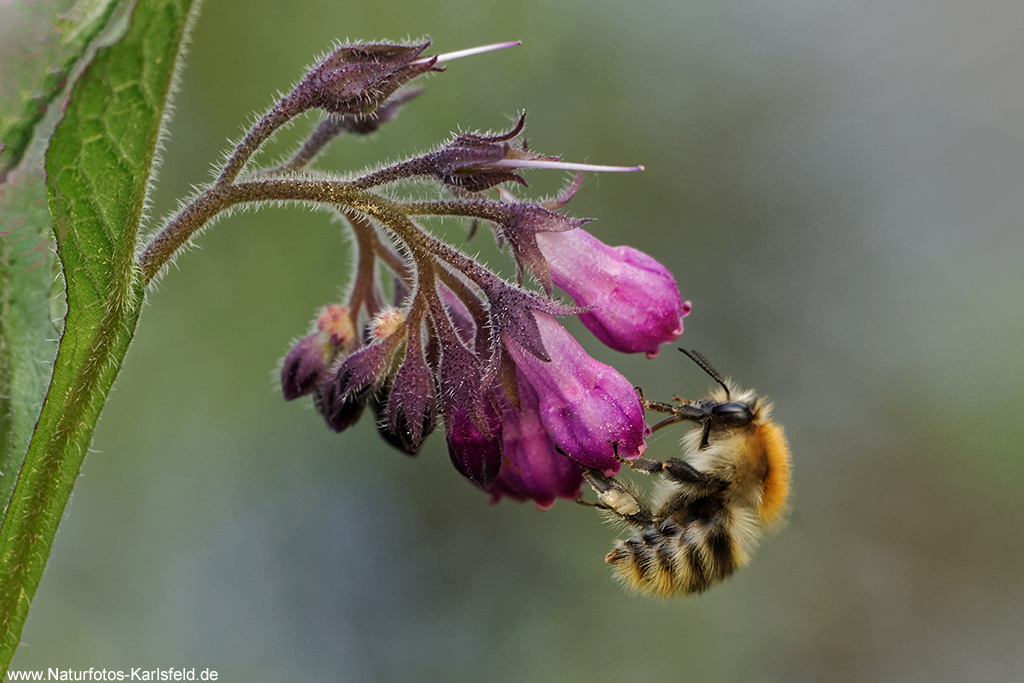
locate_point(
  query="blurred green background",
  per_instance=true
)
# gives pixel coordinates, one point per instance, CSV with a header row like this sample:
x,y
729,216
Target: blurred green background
x,y
837,187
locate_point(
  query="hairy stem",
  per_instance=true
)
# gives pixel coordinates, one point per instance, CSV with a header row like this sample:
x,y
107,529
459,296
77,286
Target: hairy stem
x,y
390,174
217,199
364,293
328,129
282,112
488,211
389,257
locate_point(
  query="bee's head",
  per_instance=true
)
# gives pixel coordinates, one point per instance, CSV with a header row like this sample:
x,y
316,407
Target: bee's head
x,y
732,414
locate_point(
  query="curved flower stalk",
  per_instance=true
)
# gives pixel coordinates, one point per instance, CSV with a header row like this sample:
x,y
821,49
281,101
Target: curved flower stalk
x,y
522,405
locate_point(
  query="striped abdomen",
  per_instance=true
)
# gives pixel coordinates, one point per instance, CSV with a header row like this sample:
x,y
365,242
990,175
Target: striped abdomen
x,y
687,552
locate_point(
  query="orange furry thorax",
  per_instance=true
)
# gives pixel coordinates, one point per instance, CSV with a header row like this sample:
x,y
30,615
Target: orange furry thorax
x,y
770,444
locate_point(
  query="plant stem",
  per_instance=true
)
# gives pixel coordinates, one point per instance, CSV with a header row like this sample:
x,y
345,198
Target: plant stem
x,y
488,211
282,112
217,199
214,200
327,130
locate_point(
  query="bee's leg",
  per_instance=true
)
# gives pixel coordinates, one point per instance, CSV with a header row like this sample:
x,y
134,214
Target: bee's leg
x,y
672,469
681,413
655,406
613,496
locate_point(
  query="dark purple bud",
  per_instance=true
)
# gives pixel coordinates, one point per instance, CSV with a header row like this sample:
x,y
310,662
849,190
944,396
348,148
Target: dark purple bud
x,y
305,364
470,162
366,369
355,79
475,454
465,161
340,412
460,378
411,412
378,402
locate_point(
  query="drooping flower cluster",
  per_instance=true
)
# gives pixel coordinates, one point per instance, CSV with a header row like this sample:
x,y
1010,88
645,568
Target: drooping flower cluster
x,y
521,403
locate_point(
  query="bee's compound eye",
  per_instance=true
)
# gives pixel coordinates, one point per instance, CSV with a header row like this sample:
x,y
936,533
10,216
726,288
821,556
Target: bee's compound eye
x,y
732,413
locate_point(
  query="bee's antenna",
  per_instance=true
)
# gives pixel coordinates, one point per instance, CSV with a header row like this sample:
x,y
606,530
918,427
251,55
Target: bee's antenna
x,y
706,366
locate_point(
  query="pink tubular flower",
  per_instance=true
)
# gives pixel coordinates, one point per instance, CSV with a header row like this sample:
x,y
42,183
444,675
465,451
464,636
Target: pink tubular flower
x,y
636,303
531,468
590,411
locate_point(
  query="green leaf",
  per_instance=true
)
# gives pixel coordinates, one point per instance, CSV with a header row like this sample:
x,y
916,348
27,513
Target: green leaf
x,y
28,340
42,46
98,169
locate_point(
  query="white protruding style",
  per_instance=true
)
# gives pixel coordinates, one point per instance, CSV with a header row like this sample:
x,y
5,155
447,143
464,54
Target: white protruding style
x,y
469,52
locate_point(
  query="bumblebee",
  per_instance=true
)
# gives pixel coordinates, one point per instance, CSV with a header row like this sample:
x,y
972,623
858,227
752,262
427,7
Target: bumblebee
x,y
729,487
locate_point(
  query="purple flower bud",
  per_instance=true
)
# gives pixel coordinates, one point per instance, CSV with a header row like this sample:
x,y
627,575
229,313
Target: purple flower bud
x,y
589,410
343,395
531,468
471,423
367,368
636,303
339,411
460,377
412,404
466,162
469,163
305,364
476,455
355,79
